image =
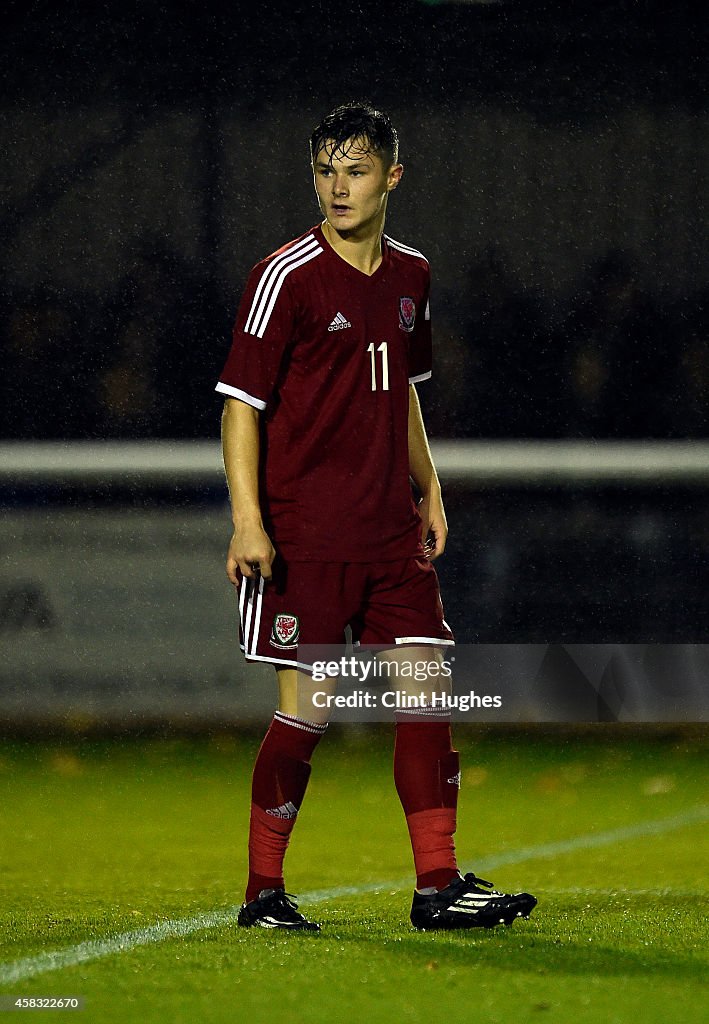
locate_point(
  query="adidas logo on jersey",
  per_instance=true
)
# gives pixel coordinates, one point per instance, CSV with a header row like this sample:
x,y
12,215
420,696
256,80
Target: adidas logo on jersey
x,y
339,323
286,811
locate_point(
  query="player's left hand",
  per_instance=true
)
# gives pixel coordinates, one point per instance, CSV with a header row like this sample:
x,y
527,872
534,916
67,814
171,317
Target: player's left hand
x,y
434,527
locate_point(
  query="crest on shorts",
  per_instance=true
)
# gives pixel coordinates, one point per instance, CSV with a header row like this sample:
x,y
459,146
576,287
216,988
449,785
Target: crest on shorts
x,y
285,631
407,313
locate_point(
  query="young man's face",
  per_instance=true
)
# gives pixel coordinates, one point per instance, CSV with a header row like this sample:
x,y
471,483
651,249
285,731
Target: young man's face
x,y
352,185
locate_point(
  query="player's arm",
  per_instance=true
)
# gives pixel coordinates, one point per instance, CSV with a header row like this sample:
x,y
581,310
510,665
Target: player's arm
x,y
423,472
250,545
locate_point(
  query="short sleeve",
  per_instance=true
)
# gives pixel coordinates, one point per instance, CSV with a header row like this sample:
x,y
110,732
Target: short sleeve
x,y
263,328
420,347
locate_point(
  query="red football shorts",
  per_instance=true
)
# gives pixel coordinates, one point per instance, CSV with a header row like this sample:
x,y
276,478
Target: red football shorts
x,y
312,603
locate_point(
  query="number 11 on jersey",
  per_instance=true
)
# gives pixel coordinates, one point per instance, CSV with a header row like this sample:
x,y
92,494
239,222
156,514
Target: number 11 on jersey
x,y
385,365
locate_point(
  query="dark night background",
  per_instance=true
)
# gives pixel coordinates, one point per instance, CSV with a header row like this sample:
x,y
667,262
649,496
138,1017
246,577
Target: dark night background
x,y
556,160
556,176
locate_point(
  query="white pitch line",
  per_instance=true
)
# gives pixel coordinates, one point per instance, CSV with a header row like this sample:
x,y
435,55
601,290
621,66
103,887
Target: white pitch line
x,y
582,890
590,842
543,851
96,949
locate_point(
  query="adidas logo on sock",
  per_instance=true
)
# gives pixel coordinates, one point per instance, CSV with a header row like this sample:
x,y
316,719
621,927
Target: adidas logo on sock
x,y
455,780
287,811
339,323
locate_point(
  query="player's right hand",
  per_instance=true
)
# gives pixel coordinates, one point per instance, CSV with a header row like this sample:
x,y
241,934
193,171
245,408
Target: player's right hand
x,y
250,555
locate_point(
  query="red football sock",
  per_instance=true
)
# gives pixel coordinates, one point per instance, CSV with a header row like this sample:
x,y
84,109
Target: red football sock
x,y
427,777
280,778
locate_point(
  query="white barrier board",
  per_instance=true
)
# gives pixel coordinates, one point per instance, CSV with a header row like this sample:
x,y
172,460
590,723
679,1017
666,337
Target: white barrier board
x,y
125,616
123,613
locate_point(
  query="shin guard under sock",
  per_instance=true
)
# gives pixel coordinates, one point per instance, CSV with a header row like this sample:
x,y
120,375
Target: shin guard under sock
x,y
427,777
280,778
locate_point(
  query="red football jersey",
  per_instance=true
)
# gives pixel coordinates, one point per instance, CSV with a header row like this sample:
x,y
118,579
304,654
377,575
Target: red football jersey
x,y
327,353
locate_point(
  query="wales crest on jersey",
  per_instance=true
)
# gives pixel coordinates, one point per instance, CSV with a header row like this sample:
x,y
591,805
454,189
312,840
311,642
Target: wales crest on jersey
x,y
407,313
285,631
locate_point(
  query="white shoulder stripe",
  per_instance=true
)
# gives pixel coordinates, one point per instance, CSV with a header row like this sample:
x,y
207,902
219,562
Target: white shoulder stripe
x,y
261,325
273,268
273,277
405,248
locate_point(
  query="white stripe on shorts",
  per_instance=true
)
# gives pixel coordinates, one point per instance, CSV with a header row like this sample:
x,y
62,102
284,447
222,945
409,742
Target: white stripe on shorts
x,y
250,603
243,590
424,640
259,607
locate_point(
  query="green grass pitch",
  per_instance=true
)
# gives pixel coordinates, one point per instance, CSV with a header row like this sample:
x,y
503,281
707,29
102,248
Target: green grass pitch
x,y
103,838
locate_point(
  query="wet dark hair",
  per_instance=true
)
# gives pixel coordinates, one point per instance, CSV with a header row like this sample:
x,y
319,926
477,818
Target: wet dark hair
x,y
362,126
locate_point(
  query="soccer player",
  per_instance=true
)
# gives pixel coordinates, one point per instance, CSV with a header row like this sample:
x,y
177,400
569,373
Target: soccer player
x,y
322,434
